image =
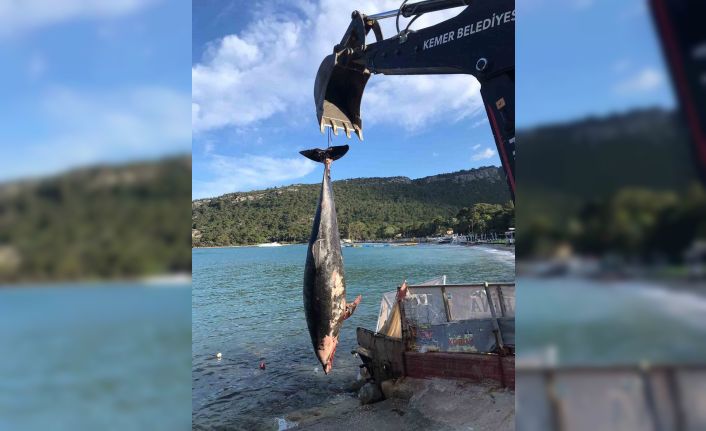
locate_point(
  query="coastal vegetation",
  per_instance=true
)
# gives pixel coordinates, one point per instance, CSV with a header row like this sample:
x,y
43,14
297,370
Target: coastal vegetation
x,y
621,185
368,209
635,222
103,222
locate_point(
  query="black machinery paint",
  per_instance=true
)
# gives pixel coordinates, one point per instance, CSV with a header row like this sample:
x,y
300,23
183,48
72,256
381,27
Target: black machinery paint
x,y
479,41
683,34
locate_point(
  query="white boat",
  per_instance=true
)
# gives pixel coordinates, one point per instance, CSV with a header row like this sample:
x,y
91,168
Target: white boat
x,y
510,236
270,244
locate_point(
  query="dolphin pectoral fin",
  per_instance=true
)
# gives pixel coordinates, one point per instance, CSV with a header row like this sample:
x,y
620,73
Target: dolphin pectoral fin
x,y
350,308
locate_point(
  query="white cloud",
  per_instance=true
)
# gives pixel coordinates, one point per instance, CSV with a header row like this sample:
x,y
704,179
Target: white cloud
x,y
646,80
20,16
249,172
415,102
268,69
484,154
79,128
475,147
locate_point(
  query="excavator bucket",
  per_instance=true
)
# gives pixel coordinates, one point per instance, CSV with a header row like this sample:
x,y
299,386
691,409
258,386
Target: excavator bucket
x,y
338,91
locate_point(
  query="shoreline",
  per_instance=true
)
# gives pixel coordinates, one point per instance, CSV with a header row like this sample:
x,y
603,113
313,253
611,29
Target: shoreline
x,y
282,244
157,280
505,247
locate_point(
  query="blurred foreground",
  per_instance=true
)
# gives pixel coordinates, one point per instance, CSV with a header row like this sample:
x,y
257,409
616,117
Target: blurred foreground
x,y
619,191
109,356
611,242
614,355
95,188
662,397
102,222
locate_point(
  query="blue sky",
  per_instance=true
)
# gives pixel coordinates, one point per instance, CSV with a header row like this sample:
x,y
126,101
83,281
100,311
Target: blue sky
x,y
88,82
253,75
586,57
254,63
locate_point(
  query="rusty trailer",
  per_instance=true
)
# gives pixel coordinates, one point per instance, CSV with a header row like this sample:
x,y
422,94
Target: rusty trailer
x,y
452,331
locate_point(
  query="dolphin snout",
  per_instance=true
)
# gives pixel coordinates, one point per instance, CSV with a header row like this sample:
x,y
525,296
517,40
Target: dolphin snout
x,y
326,352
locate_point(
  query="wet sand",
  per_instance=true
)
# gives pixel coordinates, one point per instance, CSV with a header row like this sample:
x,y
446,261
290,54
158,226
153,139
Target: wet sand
x,y
416,404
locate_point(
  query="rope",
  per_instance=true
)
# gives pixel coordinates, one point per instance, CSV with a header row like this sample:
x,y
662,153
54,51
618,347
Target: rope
x,y
410,23
397,19
416,15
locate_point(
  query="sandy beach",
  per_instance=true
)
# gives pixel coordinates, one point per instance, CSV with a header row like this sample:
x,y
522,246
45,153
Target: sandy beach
x,y
415,404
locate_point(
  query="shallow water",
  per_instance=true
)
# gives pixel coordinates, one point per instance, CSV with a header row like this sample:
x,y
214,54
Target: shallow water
x,y
247,304
568,322
109,356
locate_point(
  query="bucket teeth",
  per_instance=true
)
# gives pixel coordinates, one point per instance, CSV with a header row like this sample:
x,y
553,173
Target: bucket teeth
x,y
346,126
359,132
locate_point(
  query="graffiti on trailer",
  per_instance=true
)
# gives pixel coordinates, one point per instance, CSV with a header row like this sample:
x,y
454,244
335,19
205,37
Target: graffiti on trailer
x,y
462,343
479,305
461,340
425,334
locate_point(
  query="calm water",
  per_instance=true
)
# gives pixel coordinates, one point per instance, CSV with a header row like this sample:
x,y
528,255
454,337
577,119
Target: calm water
x,y
247,304
95,357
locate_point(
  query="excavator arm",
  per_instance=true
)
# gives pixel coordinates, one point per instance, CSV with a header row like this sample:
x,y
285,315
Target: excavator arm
x,y
479,41
683,34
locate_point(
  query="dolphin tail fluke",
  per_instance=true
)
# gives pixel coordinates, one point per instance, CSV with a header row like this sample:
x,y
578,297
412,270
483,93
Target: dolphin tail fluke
x,y
350,308
330,153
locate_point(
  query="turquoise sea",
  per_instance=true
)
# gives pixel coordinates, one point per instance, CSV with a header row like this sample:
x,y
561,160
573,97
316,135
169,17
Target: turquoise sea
x,y
575,322
247,305
108,356
119,355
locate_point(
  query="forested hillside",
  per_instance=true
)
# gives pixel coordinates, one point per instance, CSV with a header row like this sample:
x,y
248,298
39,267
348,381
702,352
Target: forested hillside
x,y
368,208
621,184
562,166
96,223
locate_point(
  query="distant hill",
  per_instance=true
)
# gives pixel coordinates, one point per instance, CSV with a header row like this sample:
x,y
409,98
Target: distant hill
x,y
97,223
562,166
622,183
368,208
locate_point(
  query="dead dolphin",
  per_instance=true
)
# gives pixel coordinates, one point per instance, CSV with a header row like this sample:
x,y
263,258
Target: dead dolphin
x,y
325,304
